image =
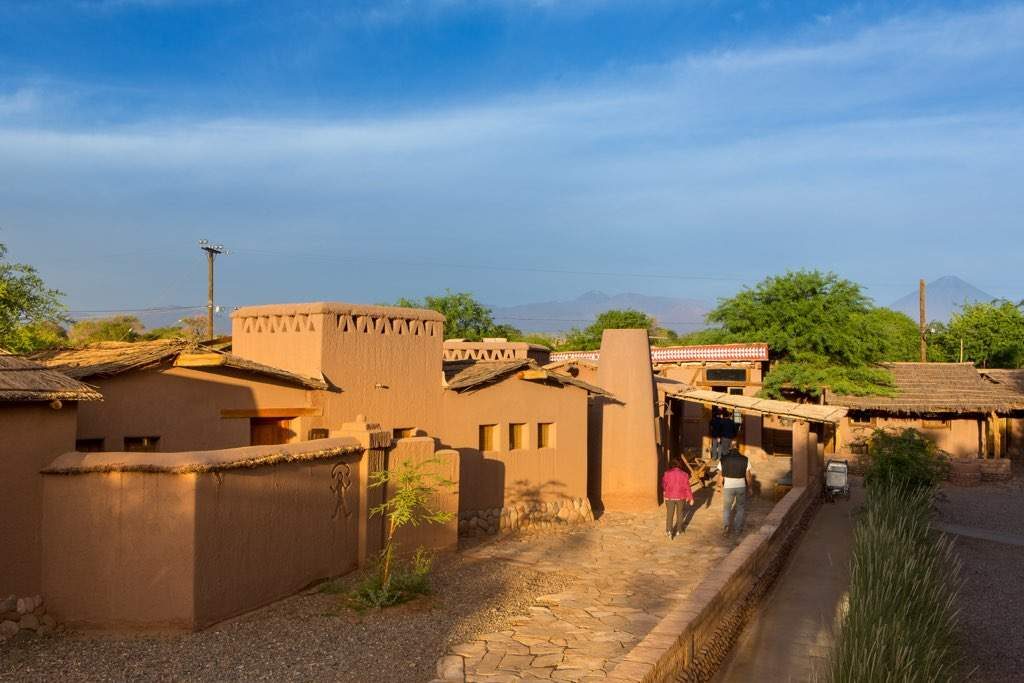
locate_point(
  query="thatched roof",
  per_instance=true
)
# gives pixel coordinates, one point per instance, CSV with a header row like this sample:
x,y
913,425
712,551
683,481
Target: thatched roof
x,y
468,375
107,359
1011,381
25,380
935,388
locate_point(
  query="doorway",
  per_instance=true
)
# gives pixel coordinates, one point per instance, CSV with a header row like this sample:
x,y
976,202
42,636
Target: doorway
x,y
270,431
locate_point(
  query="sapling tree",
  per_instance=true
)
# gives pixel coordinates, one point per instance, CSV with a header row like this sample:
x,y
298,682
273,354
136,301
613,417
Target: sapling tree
x,y
409,501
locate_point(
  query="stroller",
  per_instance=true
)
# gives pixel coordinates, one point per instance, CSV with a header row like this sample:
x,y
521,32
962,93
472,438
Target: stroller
x,y
837,480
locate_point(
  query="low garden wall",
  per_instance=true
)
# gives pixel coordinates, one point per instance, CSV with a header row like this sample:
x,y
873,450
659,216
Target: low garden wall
x,y
526,515
693,639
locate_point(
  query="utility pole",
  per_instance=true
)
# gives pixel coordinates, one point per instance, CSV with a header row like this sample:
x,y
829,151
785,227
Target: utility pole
x,y
211,253
924,321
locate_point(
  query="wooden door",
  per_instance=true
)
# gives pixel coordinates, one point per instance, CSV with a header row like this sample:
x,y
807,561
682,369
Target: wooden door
x,y
268,431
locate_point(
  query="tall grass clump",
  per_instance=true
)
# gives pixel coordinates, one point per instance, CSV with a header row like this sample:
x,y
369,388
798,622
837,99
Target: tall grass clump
x,y
904,578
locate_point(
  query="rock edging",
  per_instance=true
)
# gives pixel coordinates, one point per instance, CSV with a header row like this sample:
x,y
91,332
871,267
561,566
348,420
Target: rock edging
x,y
527,515
19,615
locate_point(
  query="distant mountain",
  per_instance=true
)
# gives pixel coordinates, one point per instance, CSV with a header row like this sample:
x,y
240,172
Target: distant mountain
x,y
681,315
944,297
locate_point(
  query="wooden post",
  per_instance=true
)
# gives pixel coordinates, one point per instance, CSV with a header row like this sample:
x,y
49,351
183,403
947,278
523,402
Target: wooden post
x,y
801,457
997,436
924,320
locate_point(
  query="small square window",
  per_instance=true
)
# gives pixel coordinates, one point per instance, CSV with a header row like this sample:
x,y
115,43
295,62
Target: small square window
x,y
736,391
403,432
318,433
516,436
141,444
89,445
487,434
545,435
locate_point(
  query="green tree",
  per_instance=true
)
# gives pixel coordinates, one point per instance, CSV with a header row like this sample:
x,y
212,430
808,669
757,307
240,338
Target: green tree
x,y
31,314
590,337
992,334
464,316
192,327
116,328
822,332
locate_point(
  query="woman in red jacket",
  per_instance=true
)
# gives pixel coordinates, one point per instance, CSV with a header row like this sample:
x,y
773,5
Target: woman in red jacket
x,y
675,485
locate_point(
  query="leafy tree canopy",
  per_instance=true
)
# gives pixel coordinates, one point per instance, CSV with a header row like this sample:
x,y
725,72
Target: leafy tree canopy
x,y
821,329
31,314
992,334
115,328
465,317
590,337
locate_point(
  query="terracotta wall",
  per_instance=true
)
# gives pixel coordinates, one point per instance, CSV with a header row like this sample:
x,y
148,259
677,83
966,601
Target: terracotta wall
x,y
629,457
31,435
499,478
170,550
385,360
445,465
960,439
183,407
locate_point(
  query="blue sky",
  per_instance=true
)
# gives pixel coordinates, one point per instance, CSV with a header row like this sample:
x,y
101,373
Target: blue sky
x,y
521,149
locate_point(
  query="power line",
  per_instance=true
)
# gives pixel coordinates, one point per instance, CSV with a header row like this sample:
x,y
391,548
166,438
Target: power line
x,y
149,309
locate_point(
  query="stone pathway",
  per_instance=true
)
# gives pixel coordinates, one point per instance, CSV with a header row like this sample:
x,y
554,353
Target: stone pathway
x,y
983,534
628,575
791,635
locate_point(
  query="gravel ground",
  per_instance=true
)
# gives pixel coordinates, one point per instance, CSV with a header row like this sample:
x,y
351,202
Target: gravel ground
x,y
303,638
992,601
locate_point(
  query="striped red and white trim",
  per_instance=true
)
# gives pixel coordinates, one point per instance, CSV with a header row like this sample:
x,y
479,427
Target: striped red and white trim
x,y
683,354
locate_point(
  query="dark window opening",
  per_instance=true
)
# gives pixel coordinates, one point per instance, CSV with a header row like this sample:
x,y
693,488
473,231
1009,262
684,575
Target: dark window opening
x,y
725,375
403,432
89,445
141,444
318,433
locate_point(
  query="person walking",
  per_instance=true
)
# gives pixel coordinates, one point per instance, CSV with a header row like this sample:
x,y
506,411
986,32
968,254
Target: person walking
x,y
733,478
675,486
717,430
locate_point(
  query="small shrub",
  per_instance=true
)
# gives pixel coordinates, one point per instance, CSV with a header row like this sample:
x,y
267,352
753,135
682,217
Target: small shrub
x,y
902,458
407,580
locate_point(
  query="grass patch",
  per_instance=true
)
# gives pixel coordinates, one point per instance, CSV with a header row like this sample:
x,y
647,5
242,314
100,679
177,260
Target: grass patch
x,y
901,620
407,581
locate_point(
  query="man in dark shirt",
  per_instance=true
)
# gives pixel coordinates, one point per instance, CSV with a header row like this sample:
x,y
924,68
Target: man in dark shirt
x,y
733,480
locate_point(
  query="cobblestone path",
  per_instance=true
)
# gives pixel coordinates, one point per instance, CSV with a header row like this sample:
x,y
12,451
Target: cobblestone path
x,y
627,575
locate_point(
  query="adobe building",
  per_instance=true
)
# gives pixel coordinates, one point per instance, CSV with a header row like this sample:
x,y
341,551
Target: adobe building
x,y
37,423
950,403
172,395
1011,427
521,432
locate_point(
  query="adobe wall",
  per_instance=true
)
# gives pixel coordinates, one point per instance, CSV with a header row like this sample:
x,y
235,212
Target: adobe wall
x,y
385,360
31,435
629,467
119,549
183,540
514,489
183,407
445,465
960,439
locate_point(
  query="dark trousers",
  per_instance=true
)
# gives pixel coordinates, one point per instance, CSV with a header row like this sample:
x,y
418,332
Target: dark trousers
x,y
674,510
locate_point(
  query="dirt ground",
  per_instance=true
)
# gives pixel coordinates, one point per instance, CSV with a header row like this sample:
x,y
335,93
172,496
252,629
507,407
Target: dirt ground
x,y
992,600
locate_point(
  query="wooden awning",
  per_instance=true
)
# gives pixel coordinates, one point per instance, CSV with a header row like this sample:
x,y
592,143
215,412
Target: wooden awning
x,y
750,405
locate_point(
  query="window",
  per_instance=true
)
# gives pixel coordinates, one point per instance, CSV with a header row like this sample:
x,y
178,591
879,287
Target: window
x,y
487,434
545,435
516,436
736,391
859,448
861,419
141,444
935,424
89,445
318,433
403,432
734,375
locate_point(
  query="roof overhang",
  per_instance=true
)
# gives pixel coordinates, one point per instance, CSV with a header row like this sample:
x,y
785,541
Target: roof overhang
x,y
751,405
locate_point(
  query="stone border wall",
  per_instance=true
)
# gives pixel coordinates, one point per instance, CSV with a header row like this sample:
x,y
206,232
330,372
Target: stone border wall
x,y
527,515
22,615
691,642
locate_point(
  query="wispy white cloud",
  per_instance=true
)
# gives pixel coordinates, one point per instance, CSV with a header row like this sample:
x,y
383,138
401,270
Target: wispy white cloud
x,y
769,156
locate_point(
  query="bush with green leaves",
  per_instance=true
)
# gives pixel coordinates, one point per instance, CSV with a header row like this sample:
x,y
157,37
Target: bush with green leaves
x,y
900,623
903,458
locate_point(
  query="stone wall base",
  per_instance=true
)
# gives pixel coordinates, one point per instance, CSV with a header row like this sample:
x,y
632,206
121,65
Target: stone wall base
x,y
526,515
24,615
